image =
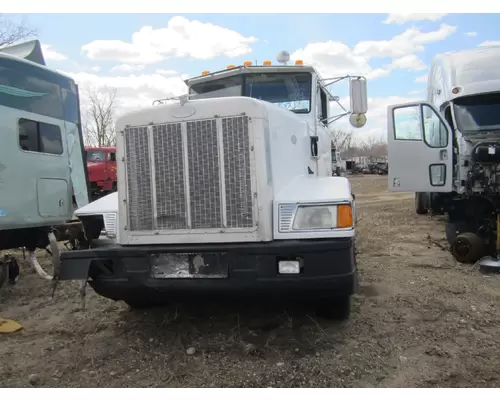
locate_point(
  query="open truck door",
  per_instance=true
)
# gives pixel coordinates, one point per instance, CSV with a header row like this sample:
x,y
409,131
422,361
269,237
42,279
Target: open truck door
x,y
419,148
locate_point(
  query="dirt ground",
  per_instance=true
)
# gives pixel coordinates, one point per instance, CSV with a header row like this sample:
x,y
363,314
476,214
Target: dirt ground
x,y
419,320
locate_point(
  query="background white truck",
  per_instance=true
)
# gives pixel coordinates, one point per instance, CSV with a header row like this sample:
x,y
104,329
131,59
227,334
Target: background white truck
x,y
42,168
228,190
447,149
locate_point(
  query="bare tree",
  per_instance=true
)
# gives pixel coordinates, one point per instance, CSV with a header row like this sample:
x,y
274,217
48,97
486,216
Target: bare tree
x,y
342,141
99,125
11,32
370,147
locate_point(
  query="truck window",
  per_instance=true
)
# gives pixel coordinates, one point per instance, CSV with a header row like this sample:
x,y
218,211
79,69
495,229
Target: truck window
x,y
407,123
96,155
37,90
112,157
334,155
225,87
288,90
478,113
40,137
323,107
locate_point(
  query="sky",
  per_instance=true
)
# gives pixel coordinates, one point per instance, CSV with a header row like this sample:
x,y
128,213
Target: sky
x,y
147,56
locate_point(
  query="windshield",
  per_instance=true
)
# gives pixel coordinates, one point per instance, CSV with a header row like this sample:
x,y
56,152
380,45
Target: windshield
x,y
291,91
287,90
478,114
95,155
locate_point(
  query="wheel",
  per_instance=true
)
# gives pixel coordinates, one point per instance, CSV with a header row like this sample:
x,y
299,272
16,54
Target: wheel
x,y
420,203
467,248
4,272
338,308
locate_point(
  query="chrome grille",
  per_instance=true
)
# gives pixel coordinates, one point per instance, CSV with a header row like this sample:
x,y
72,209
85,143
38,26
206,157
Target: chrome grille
x,y
204,176
237,172
139,200
200,179
169,177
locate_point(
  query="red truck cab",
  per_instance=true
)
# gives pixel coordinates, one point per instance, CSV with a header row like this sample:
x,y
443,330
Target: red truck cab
x,y
101,166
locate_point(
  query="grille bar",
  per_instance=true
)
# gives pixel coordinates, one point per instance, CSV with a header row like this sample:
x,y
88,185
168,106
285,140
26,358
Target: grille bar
x,y
169,176
140,200
237,178
204,175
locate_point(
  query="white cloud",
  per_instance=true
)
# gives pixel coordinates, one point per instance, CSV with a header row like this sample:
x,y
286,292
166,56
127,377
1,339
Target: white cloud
x,y
414,92
471,34
96,68
166,71
334,58
408,42
132,91
181,38
127,68
421,79
489,43
401,19
410,62
50,54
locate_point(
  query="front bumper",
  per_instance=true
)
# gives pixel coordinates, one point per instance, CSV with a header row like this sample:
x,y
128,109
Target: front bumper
x,y
124,272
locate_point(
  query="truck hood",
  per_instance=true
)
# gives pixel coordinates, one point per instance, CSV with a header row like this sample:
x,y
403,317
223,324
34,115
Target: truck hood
x,y
310,189
104,205
94,165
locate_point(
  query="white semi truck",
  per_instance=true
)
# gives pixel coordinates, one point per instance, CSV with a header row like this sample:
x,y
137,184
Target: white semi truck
x,y
228,189
447,149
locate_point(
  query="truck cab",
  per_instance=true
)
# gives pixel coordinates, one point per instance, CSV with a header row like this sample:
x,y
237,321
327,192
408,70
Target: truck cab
x,y
447,149
229,189
101,167
41,156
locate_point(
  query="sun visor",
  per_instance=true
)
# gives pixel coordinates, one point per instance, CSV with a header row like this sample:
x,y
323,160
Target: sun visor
x,y
31,51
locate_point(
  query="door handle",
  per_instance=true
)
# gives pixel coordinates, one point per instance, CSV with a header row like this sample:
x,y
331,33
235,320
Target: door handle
x,y
443,155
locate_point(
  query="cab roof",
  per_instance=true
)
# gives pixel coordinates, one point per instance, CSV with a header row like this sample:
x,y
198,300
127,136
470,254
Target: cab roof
x,y
91,148
248,69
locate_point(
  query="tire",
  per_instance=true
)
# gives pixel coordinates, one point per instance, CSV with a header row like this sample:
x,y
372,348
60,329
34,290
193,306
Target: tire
x,y
420,203
4,273
467,248
336,309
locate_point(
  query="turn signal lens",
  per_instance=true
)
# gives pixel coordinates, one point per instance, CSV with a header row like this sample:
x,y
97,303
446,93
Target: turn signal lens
x,y
344,216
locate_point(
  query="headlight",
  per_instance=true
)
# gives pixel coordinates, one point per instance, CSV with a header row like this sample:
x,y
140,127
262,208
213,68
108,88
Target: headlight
x,y
323,217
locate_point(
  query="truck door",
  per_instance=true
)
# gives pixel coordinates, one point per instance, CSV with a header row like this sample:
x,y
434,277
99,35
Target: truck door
x,y
419,149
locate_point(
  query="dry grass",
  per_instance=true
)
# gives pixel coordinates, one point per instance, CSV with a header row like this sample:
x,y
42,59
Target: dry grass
x,y
419,320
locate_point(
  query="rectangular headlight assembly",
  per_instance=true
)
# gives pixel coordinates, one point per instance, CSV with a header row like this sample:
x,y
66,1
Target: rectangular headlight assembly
x,y
315,216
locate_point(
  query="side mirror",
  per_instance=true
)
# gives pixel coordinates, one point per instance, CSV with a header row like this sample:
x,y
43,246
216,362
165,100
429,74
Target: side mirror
x,y
358,95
